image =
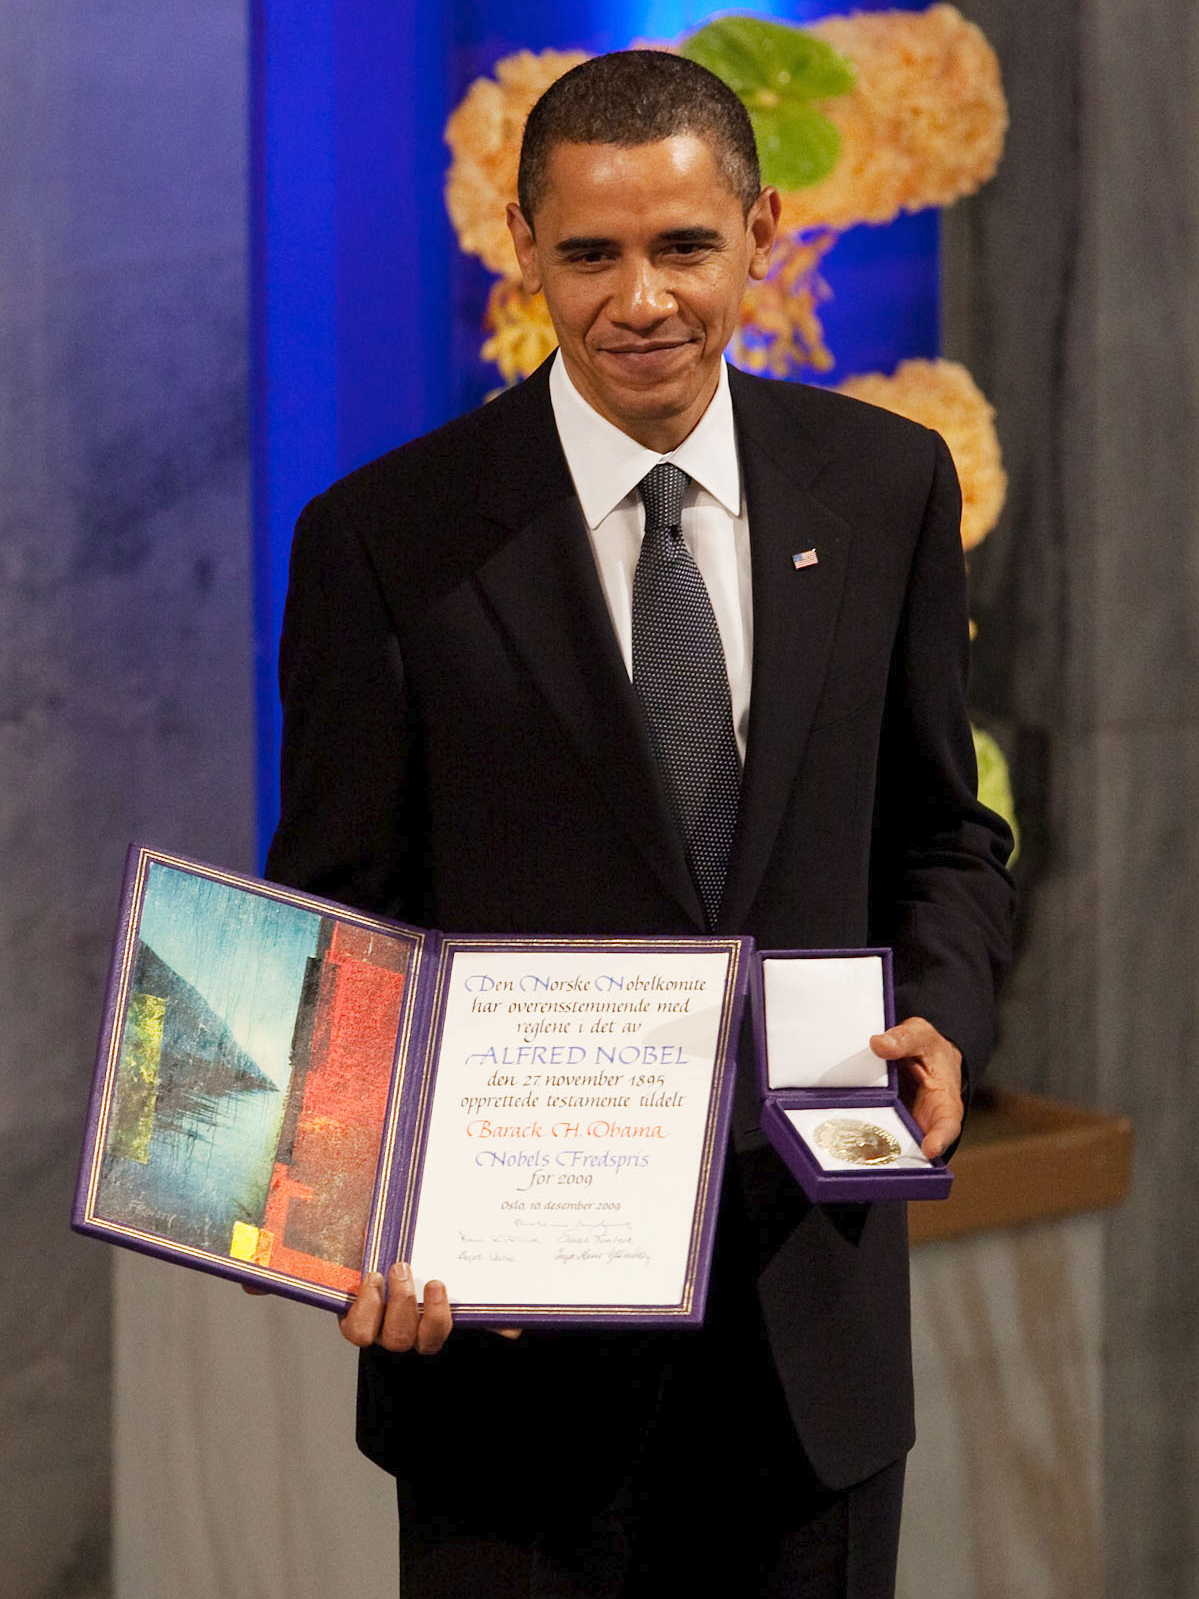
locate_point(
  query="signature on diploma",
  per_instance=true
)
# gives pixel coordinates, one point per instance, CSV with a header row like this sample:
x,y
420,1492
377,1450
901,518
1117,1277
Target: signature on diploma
x,y
579,1241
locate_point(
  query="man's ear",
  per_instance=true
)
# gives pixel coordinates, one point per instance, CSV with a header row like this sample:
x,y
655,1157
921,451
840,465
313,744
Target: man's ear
x,y
525,246
762,225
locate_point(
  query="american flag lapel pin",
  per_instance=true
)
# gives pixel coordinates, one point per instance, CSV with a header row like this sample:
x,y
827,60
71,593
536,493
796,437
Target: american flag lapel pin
x,y
804,558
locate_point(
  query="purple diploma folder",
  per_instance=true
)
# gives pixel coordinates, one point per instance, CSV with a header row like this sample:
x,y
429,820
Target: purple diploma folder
x,y
290,1093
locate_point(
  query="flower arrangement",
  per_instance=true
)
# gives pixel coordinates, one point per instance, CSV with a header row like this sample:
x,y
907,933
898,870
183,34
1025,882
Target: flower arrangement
x,y
483,134
858,118
943,396
923,124
779,331
521,334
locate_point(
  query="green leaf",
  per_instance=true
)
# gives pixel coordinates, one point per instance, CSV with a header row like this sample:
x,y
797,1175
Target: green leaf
x,y
777,71
796,145
994,782
754,55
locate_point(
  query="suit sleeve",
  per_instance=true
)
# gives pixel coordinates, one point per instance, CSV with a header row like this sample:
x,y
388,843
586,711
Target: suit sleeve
x,y
348,825
940,890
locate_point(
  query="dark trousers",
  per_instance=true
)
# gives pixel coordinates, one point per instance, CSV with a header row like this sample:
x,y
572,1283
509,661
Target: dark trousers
x,y
830,1546
719,1500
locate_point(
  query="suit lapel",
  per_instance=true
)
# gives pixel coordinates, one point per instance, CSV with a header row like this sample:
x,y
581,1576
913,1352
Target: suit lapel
x,y
794,618
544,590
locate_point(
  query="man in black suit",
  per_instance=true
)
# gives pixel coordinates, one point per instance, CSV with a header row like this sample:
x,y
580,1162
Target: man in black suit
x,y
470,743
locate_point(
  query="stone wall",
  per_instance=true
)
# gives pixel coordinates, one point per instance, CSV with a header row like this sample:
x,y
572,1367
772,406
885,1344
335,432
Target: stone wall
x,y
125,643
1072,296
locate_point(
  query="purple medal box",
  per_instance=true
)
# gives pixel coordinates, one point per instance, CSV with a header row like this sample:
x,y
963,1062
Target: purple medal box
x,y
830,1107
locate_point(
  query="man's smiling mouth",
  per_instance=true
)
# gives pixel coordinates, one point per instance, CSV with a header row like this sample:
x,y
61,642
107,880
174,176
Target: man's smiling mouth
x,y
658,349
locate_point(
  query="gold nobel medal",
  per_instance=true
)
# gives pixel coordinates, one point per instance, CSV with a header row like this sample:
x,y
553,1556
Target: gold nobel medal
x,y
861,1143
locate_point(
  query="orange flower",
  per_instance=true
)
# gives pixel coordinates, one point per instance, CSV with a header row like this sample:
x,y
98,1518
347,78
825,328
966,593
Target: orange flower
x,y
484,133
923,125
778,330
522,334
943,395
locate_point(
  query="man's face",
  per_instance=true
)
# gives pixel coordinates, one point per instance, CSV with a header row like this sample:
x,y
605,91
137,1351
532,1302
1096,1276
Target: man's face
x,y
643,254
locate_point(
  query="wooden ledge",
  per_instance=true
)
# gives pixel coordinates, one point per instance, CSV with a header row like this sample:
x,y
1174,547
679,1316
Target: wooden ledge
x,y
1025,1159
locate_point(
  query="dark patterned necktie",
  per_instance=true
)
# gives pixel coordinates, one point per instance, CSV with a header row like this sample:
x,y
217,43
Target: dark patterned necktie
x,y
679,672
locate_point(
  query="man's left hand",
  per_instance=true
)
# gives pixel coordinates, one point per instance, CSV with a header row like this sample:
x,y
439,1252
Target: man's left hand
x,y
930,1079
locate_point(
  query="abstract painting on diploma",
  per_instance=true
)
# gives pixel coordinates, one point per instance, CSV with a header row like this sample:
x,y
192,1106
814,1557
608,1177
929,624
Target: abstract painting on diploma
x,y
248,1078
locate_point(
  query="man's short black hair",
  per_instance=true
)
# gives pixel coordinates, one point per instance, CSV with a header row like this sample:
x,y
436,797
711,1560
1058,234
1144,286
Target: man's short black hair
x,y
636,97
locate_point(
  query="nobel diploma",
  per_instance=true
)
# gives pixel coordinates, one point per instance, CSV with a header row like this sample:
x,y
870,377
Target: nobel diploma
x,y
570,1145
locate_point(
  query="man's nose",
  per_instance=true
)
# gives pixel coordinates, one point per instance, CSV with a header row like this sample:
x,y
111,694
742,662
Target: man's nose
x,y
644,295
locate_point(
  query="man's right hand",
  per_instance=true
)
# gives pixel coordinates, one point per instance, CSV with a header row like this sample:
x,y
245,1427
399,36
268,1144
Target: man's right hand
x,y
395,1320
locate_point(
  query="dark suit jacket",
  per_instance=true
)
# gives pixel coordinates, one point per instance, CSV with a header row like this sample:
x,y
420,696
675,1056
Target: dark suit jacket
x,y
463,749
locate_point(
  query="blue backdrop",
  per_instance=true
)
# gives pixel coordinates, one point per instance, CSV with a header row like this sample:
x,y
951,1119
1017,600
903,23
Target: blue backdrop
x,y
367,316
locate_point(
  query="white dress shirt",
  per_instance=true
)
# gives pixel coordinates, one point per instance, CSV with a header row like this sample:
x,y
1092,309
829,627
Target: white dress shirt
x,y
607,465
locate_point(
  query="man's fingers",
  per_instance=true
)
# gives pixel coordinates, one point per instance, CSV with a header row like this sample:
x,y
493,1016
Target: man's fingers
x,y
931,1082
936,1107
436,1320
395,1319
941,1123
361,1323
402,1317
406,1325
906,1038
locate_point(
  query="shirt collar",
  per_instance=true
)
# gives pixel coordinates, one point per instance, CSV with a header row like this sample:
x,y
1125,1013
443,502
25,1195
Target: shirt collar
x,y
607,464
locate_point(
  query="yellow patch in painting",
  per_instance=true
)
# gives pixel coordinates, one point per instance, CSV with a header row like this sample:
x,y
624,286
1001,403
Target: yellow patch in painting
x,y
137,1078
245,1241
251,1243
